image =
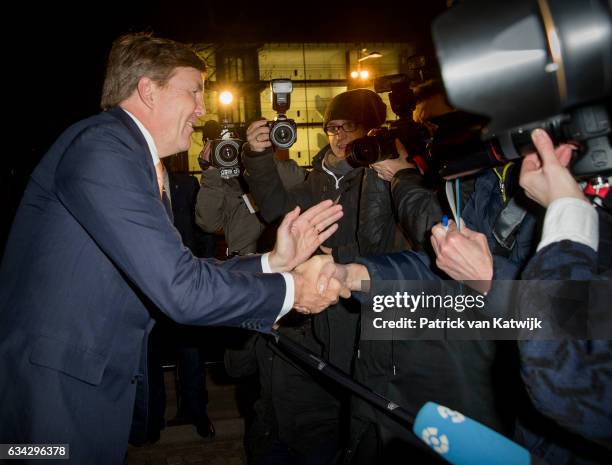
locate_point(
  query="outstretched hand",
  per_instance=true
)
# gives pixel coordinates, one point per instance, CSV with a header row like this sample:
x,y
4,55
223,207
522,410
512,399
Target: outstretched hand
x,y
544,174
350,276
299,236
310,297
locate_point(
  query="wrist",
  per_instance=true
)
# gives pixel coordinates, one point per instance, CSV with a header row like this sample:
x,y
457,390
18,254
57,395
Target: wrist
x,y
482,286
250,151
298,285
356,273
576,194
276,263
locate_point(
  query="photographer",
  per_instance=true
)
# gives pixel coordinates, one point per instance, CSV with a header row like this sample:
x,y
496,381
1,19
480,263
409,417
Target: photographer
x,y
416,203
490,197
222,205
349,116
568,381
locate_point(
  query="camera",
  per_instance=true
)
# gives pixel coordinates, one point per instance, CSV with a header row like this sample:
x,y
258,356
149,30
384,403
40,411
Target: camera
x,y
225,147
379,144
531,64
283,131
456,148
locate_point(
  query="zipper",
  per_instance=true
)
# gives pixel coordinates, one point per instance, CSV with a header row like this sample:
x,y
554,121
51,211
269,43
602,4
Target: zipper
x,y
332,175
502,181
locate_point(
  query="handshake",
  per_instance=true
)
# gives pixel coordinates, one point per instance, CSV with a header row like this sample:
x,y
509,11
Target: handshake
x,y
318,281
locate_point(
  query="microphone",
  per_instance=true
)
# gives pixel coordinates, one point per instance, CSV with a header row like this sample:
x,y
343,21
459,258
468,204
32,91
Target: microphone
x,y
463,441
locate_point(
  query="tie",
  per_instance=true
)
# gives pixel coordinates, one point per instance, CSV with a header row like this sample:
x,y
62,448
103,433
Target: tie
x,y
159,171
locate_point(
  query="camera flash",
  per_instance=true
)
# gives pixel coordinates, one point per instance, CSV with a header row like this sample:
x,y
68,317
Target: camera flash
x,y
226,97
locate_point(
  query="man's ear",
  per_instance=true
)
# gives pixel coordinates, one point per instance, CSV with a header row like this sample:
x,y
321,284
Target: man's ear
x,y
146,91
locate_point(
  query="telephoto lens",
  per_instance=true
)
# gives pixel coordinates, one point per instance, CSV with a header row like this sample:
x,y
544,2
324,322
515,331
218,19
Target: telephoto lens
x,y
378,145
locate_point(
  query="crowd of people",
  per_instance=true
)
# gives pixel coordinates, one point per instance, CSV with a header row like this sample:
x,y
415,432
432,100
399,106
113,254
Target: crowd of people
x,y
96,254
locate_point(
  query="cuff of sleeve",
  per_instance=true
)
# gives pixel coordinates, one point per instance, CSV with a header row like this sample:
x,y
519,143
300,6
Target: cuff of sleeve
x,y
289,296
570,219
265,264
289,287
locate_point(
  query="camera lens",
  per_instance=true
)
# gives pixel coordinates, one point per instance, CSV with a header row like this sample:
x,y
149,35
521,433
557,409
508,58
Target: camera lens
x,y
226,153
363,151
283,135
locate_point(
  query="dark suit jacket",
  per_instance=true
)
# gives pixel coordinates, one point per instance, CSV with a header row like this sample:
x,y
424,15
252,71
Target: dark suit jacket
x,y
90,249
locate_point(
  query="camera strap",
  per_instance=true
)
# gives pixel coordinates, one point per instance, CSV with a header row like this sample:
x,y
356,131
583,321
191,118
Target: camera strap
x,y
250,204
507,225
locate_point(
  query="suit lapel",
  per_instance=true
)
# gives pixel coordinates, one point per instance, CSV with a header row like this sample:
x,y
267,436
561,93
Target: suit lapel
x,y
135,132
131,126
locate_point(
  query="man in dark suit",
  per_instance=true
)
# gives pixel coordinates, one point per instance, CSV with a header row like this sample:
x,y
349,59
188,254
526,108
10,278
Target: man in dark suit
x,y
92,248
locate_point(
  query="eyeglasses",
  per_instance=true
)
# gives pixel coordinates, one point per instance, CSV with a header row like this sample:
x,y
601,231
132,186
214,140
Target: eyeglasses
x,y
349,126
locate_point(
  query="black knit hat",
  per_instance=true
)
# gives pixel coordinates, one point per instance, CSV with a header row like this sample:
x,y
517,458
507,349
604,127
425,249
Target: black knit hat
x,y
362,106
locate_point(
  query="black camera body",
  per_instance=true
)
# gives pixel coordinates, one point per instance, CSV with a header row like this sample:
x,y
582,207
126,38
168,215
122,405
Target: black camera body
x,y
586,127
283,130
379,144
225,149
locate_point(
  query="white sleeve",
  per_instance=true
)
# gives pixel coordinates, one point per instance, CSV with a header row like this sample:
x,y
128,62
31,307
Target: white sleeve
x,y
571,219
289,285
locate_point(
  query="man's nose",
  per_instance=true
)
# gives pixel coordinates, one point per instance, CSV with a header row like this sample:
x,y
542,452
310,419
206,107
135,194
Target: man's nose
x,y
200,109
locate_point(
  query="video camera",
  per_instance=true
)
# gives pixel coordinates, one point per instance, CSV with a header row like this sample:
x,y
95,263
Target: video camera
x,y
226,142
532,64
283,130
379,144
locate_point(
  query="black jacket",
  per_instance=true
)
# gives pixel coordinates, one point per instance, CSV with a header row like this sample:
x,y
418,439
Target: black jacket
x,y
296,405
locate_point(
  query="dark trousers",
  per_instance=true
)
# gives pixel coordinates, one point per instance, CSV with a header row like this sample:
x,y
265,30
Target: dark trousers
x,y
174,344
